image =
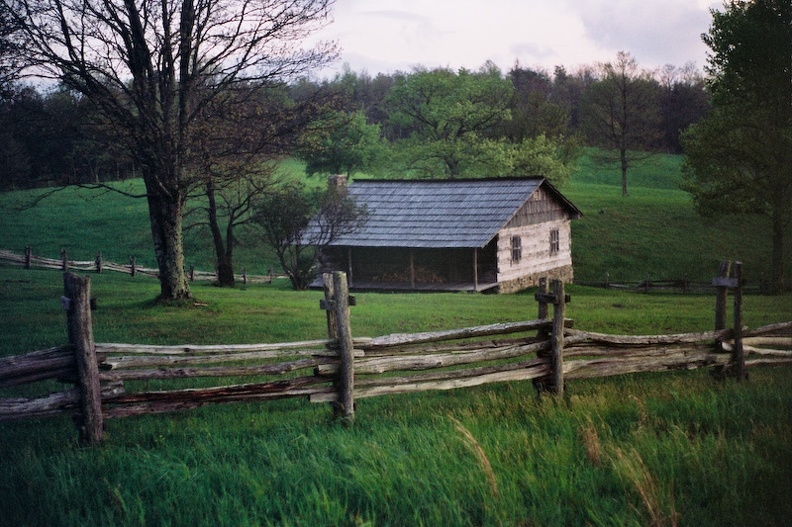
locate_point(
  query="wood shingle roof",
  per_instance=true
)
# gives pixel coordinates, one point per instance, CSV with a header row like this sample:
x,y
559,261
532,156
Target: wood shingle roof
x,y
439,213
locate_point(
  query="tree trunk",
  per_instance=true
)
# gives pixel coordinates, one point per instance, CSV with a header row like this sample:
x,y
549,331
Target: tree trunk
x,y
165,213
778,251
623,159
223,249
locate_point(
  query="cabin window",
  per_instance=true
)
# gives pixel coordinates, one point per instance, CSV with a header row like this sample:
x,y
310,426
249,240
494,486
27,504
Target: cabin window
x,y
554,241
516,249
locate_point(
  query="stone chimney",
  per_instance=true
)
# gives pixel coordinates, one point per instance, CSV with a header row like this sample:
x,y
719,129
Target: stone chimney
x,y
337,184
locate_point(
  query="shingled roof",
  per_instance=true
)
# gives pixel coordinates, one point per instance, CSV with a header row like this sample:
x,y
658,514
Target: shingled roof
x,y
439,213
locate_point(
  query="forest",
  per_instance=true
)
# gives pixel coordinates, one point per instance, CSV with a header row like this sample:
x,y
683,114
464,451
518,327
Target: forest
x,y
55,136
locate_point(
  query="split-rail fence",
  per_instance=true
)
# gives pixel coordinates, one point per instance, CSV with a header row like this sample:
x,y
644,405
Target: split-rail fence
x,y
343,368
28,260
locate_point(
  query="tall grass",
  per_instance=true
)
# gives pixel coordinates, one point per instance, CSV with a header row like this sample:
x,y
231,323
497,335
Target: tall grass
x,y
664,449
634,450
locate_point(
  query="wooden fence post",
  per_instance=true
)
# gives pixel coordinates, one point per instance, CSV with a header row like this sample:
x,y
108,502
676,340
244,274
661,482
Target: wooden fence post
x,y
738,354
721,282
555,380
337,302
557,358
99,263
132,266
244,276
543,290
28,256
64,261
192,273
540,383
77,295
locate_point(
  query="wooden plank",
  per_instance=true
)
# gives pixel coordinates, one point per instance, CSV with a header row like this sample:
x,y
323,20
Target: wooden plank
x,y
227,371
45,364
402,339
167,401
52,404
650,340
379,365
587,369
780,328
769,341
634,351
393,386
129,362
453,347
729,346
191,349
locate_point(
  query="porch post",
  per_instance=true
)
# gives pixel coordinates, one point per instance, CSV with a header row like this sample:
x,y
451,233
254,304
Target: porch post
x,y
412,268
349,265
475,269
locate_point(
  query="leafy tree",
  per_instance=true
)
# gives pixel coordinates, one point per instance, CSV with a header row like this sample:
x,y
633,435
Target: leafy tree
x,y
541,156
151,67
298,223
568,90
533,113
444,116
620,113
341,143
738,157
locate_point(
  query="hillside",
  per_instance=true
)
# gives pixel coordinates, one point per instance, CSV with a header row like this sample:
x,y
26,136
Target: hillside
x,y
654,232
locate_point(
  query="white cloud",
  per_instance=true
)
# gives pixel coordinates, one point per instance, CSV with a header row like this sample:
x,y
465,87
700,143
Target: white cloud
x,y
388,35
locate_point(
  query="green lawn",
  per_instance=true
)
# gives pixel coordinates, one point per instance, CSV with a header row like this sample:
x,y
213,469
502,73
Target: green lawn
x,y
664,449
621,451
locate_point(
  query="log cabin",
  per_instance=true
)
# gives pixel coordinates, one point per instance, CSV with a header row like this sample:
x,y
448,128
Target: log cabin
x,y
495,235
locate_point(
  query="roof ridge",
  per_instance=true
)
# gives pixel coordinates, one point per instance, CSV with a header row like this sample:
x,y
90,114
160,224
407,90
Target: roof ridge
x,y
447,180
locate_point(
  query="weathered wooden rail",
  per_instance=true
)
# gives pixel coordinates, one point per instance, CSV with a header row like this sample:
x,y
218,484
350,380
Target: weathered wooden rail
x,y
98,265
341,369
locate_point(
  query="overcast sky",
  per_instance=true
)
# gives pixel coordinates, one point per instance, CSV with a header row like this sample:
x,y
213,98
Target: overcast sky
x,y
390,35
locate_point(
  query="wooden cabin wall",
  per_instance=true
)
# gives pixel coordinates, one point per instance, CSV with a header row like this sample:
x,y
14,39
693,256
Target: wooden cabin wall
x,y
536,260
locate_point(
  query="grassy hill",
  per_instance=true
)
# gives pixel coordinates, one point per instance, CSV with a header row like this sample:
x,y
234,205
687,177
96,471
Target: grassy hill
x,y
634,450
668,449
655,231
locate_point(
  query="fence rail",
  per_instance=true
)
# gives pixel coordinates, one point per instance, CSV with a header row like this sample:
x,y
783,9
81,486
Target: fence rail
x,y
341,369
679,285
28,260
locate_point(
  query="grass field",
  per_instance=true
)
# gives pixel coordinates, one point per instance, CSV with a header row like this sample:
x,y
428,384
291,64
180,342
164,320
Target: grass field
x,y
637,450
664,449
655,231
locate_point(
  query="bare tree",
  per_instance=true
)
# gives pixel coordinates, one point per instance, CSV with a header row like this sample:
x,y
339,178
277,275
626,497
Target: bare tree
x,y
620,113
236,157
152,66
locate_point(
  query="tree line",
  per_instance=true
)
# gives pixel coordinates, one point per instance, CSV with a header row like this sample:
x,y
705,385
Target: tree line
x,y
442,123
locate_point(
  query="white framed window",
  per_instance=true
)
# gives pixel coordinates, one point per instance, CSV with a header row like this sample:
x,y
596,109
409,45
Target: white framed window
x,y
516,249
555,244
